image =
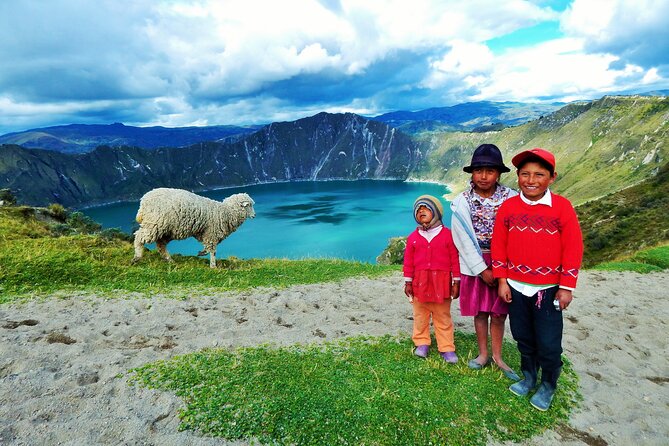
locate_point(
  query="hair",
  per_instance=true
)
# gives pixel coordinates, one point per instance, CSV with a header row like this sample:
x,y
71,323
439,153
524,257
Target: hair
x,y
539,160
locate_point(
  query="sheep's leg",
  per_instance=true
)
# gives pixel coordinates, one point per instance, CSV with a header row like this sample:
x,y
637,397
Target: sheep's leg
x,y
139,245
204,250
162,249
211,249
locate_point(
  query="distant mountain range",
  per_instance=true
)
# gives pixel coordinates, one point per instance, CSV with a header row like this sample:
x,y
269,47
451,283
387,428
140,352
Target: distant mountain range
x,y
470,116
81,138
601,147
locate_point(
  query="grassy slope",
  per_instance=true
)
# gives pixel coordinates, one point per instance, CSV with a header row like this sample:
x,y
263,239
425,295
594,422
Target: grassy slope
x,y
601,147
32,261
619,224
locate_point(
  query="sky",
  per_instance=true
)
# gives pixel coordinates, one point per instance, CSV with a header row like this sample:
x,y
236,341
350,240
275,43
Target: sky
x,y
178,63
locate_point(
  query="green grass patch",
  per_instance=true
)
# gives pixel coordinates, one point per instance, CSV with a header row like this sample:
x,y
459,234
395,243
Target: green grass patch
x,y
41,255
365,390
92,263
646,261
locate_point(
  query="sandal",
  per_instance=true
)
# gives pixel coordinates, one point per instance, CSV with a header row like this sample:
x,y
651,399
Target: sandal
x,y
475,365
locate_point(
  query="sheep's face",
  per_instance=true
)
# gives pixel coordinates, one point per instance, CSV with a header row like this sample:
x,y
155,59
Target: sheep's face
x,y
247,205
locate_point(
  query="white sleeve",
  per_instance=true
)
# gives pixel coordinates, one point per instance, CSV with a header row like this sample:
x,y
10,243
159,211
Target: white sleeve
x,y
469,253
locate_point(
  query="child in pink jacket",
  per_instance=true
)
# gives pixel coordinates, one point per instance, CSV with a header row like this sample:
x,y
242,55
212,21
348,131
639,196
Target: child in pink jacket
x,y
432,278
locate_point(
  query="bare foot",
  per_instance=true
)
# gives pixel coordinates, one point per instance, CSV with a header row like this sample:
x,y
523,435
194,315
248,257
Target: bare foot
x,y
499,362
482,360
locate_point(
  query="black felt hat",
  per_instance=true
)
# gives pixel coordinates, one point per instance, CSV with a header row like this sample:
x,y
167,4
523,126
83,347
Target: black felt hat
x,y
487,155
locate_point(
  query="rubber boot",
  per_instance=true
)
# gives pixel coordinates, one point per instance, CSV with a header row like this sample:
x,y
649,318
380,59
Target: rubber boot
x,y
528,365
544,396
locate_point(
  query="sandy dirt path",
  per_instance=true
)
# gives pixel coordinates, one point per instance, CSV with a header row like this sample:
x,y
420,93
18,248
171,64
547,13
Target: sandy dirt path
x,y
62,360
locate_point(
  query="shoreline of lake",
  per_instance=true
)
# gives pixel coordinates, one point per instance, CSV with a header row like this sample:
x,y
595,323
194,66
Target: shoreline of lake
x,y
263,183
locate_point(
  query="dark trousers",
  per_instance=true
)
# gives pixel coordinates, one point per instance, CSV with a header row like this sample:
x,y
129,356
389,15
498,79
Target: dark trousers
x,y
536,327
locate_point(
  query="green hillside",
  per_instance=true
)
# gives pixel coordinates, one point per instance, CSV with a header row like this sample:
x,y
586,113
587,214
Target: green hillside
x,y
620,224
601,147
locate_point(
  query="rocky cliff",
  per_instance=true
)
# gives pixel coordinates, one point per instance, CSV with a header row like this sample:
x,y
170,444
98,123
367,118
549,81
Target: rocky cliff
x,y
324,146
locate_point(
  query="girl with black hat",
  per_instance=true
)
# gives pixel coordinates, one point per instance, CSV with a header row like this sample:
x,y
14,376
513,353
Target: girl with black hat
x,y
474,212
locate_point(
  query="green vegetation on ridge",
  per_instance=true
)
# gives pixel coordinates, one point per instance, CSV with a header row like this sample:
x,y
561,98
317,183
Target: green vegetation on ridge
x,y
601,147
620,224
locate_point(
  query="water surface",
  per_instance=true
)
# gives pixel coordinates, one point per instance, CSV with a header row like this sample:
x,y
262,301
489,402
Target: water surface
x,y
351,220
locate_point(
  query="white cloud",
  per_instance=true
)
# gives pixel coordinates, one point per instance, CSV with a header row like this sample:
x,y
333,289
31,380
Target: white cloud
x,y
651,77
180,62
637,31
556,69
465,60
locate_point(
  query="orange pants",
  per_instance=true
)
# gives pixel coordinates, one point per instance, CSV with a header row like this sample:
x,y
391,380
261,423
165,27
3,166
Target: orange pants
x,y
441,319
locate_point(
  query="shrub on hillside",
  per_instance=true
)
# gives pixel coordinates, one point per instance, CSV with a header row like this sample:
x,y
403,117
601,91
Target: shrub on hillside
x,y
115,234
394,252
82,223
7,197
58,212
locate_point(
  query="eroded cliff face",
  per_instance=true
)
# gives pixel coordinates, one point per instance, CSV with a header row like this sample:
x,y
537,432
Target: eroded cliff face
x,y
324,146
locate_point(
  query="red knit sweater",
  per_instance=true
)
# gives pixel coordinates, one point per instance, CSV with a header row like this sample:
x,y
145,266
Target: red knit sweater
x,y
539,245
440,254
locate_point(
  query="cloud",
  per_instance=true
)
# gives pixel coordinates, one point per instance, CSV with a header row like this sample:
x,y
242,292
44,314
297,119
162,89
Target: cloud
x,y
635,31
185,62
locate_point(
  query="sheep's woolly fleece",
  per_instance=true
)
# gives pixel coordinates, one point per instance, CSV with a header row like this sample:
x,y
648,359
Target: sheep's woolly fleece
x,y
62,360
176,214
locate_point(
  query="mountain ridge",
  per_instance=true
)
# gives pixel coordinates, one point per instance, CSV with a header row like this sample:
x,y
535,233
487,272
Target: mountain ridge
x,y
324,146
81,138
467,116
601,146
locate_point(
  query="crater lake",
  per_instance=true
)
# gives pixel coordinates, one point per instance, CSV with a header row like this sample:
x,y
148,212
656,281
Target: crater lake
x,y
351,220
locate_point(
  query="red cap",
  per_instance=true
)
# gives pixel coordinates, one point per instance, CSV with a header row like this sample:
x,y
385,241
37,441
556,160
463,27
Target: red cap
x,y
541,153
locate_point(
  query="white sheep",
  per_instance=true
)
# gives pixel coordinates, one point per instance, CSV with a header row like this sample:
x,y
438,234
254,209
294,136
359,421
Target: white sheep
x,y
175,214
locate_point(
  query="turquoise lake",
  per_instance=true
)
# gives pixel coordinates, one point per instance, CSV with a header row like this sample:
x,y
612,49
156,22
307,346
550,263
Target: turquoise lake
x,y
351,220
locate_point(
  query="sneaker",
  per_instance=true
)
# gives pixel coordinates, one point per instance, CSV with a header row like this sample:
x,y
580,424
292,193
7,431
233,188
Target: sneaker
x,y
421,351
449,357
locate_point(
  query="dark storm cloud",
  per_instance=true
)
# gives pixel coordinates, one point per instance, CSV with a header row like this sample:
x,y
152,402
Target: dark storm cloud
x,y
73,50
394,72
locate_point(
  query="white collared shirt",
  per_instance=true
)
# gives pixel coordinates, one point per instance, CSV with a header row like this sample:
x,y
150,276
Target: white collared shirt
x,y
547,199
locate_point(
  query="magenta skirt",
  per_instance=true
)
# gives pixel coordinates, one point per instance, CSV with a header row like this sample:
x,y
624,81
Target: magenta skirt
x,y
477,297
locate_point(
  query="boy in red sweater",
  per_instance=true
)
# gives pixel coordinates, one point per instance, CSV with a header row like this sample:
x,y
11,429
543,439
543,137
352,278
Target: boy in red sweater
x,y
536,255
432,278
